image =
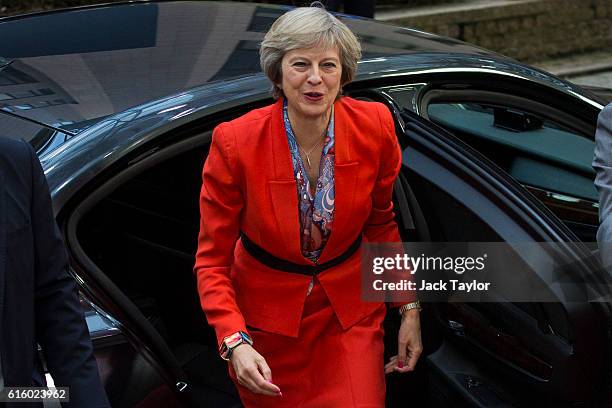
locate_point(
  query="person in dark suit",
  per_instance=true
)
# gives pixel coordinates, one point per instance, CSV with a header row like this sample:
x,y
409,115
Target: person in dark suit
x,y
38,298
602,163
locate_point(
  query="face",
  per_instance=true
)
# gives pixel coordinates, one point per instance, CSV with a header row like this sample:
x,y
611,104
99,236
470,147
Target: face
x,y
311,80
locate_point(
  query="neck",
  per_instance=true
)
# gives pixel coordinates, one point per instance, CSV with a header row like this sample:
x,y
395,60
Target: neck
x,y
308,130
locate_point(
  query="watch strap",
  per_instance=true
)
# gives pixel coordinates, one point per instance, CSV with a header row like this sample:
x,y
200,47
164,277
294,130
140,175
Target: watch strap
x,y
232,341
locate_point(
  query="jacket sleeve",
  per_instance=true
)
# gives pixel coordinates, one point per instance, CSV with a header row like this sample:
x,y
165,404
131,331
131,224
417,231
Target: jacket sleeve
x,y
381,225
221,202
602,163
60,324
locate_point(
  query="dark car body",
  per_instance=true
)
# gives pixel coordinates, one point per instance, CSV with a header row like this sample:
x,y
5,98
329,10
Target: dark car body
x,y
120,102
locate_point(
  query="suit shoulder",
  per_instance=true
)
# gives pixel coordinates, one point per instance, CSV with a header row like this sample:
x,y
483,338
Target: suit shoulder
x,y
14,151
17,164
246,120
357,104
368,109
604,122
373,116
606,112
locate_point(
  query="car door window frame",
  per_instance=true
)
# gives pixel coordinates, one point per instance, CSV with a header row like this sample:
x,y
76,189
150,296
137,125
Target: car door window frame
x,y
559,116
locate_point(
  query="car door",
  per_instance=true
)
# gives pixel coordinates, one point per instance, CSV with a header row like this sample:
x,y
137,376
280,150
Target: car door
x,y
540,136
498,353
132,240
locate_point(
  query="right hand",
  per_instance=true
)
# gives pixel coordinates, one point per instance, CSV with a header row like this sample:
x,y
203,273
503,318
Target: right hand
x,y
252,371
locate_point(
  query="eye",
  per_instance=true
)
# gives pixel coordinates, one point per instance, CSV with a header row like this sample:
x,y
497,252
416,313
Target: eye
x,y
299,64
329,65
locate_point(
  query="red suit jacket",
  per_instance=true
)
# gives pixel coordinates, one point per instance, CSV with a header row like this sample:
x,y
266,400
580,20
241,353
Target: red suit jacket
x,y
249,186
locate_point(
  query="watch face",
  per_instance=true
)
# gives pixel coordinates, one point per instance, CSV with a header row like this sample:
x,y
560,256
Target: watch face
x,y
236,339
233,340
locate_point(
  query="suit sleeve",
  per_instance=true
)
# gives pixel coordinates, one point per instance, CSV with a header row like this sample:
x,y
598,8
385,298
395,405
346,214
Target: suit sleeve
x,y
602,163
381,225
221,202
60,325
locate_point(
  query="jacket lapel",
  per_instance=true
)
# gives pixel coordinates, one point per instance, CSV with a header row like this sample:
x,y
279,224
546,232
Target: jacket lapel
x,y
345,184
284,194
283,189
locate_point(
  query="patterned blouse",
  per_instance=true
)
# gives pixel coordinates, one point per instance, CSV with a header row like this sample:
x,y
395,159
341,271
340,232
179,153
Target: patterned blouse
x,y
316,212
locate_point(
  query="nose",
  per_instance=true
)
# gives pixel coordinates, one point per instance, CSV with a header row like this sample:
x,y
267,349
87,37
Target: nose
x,y
314,76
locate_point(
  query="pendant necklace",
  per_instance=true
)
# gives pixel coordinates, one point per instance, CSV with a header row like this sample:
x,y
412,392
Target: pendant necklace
x,y
308,153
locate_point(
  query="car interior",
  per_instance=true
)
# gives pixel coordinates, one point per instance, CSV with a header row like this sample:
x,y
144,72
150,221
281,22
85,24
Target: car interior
x,y
542,147
142,234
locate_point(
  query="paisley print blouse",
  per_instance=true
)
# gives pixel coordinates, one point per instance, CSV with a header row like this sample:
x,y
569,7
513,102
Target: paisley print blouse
x,y
316,212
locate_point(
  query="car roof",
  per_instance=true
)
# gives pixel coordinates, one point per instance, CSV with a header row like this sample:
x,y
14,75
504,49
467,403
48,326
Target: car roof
x,y
70,68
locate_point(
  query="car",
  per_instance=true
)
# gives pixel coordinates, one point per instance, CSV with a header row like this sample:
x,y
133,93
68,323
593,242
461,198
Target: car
x,y
120,101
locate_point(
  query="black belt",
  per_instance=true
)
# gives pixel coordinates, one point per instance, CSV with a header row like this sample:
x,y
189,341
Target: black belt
x,y
273,262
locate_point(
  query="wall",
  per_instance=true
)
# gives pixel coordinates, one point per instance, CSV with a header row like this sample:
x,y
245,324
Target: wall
x,y
527,30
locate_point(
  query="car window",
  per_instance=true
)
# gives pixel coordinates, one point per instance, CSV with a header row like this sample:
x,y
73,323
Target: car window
x,y
535,150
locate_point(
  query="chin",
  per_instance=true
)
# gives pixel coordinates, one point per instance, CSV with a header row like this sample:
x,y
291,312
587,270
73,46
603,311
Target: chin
x,y
316,110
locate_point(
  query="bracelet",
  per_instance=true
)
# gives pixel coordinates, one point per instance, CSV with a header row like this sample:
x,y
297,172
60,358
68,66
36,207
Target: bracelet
x,y
231,342
409,306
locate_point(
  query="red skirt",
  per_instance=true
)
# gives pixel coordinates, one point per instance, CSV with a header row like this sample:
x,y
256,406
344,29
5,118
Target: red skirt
x,y
325,366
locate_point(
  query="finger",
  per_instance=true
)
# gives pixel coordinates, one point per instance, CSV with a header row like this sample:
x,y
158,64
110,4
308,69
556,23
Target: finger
x,y
264,369
389,368
267,388
263,386
246,379
413,358
391,363
266,373
401,355
247,383
252,385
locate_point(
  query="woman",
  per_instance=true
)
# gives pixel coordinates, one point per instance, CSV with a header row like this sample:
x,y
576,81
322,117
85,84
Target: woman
x,y
288,191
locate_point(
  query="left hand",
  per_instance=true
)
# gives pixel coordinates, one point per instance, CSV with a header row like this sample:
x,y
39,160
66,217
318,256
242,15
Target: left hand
x,y
409,344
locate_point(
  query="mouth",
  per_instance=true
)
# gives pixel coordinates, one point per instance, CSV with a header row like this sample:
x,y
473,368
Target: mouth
x,y
313,96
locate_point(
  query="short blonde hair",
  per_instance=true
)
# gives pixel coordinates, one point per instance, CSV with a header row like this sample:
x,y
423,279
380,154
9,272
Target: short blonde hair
x,y
307,27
